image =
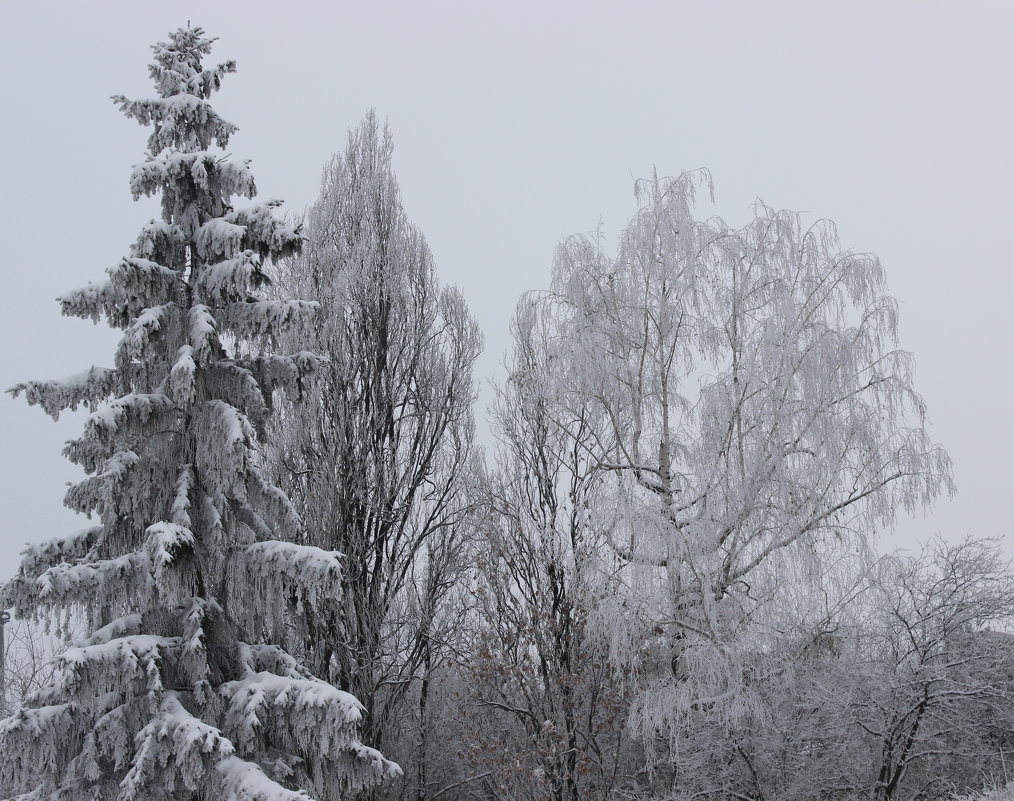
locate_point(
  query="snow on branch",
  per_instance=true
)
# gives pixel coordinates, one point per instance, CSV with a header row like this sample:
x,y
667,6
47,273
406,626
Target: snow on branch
x,y
268,498
224,460
181,502
285,372
259,657
266,318
204,335
183,377
305,715
116,629
134,284
132,414
256,228
175,750
181,178
101,492
194,657
88,387
246,781
37,558
129,664
371,766
89,302
232,379
160,241
276,569
32,741
164,543
218,238
88,584
136,407
138,337
202,169
266,232
232,280
182,121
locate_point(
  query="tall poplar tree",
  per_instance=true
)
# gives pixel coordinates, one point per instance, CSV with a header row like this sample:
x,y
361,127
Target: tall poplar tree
x,y
197,569
378,462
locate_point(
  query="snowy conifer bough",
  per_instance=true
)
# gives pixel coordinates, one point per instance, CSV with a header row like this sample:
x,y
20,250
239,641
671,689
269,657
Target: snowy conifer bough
x,y
187,585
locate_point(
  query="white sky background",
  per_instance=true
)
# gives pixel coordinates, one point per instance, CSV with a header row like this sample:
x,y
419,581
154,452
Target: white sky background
x,y
518,123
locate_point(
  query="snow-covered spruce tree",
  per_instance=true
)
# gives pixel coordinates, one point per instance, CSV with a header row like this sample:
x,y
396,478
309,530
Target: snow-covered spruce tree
x,y
195,571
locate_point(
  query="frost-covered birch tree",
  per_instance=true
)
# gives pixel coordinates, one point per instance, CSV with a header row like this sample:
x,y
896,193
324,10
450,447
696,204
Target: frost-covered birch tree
x,y
748,397
196,571
379,459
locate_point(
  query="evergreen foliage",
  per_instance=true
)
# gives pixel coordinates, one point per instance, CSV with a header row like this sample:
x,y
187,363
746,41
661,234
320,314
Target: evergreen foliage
x,y
198,568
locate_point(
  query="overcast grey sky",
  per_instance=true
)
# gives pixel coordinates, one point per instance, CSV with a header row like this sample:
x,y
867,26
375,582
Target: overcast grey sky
x,y
518,123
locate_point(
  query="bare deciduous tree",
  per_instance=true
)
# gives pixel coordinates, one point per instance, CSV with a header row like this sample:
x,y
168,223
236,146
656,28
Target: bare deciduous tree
x,y
27,663
901,690
549,719
378,460
939,703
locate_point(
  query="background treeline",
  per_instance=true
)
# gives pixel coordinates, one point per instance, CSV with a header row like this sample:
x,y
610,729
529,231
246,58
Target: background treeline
x,y
659,583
